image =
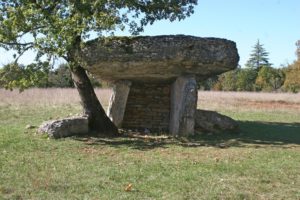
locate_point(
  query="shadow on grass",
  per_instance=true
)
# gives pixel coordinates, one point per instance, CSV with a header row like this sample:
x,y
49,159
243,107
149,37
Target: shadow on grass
x,y
252,134
258,134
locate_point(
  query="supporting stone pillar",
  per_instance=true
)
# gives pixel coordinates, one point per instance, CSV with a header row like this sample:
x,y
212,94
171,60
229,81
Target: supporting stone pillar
x,y
117,103
183,106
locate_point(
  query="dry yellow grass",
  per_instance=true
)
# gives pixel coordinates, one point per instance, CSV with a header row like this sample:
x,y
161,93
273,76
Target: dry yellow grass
x,y
50,97
249,101
209,100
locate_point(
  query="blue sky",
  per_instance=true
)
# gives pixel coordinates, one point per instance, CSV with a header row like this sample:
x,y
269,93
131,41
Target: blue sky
x,y
276,23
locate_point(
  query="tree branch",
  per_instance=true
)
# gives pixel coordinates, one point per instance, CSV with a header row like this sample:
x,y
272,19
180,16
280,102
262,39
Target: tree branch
x,y
16,43
24,50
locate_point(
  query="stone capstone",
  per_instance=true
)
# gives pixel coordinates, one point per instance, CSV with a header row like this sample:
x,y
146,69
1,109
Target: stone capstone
x,y
65,127
158,58
213,122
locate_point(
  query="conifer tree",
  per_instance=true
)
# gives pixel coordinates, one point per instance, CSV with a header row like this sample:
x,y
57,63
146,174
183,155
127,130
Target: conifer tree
x,y
258,57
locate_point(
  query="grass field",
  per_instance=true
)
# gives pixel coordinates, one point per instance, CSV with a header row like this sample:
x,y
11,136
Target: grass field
x,y
262,162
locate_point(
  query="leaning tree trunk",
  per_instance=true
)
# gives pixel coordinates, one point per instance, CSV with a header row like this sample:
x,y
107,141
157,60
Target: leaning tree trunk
x,y
99,123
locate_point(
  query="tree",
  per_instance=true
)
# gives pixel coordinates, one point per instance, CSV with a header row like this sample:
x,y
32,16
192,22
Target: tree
x,y
38,75
228,80
60,77
208,83
292,80
269,79
33,75
59,29
298,50
246,79
258,57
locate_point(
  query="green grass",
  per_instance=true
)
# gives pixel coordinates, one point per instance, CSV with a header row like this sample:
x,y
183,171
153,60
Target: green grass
x,y
262,162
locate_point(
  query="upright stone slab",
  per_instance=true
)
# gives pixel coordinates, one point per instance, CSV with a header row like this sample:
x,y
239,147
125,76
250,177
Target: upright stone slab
x,y
117,103
183,106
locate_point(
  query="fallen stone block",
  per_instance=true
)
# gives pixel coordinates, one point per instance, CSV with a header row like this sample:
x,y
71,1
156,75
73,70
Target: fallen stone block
x,y
213,122
65,127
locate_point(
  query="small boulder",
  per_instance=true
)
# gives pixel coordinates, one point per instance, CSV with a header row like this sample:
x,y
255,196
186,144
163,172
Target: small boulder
x,y
213,122
65,127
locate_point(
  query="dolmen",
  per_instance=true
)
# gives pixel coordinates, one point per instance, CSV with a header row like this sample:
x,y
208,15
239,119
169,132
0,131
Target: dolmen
x,y
155,78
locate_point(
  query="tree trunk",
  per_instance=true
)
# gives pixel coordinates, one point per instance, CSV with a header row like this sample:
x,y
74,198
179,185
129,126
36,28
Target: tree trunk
x,y
99,123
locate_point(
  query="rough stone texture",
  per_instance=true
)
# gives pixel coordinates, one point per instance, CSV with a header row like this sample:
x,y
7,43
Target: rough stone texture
x,y
148,107
163,71
183,106
213,122
158,58
117,103
65,127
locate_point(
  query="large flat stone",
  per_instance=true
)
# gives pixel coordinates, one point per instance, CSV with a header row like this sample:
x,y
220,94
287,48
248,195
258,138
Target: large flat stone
x,y
158,57
213,122
65,127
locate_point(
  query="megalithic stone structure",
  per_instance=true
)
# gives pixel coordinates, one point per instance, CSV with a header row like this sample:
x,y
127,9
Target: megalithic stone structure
x,y
156,77
118,101
183,106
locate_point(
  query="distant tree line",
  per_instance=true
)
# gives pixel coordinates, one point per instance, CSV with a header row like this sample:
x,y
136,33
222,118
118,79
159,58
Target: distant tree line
x,y
258,75
38,75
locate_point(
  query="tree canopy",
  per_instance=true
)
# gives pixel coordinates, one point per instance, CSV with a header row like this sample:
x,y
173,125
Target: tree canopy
x,y
56,28
258,57
292,81
60,28
258,75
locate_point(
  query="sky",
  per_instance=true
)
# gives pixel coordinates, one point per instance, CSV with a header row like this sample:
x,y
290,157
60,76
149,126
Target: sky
x,y
275,23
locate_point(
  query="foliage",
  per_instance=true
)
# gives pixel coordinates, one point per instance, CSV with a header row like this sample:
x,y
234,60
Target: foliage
x,y
60,77
258,57
292,81
269,79
38,75
59,28
228,80
246,79
207,84
22,77
258,75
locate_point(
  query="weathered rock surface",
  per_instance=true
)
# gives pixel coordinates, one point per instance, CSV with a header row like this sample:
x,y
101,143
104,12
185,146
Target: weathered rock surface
x,y
158,57
213,122
117,102
183,106
65,127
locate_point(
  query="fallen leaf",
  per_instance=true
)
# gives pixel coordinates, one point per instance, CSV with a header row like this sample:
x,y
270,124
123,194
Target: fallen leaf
x,y
128,188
